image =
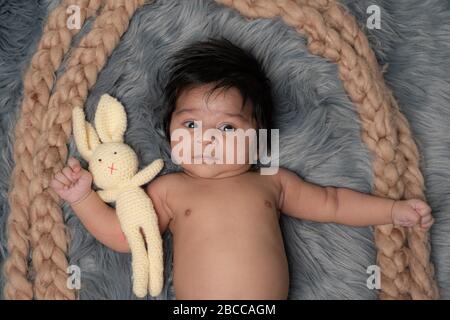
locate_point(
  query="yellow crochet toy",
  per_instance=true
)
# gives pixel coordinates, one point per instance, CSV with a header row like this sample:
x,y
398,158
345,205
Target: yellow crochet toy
x,y
114,167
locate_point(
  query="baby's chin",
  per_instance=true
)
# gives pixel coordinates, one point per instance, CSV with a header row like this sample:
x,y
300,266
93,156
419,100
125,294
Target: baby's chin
x,y
215,171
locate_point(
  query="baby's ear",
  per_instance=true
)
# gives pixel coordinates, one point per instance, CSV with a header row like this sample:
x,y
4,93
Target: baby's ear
x,y
110,119
85,136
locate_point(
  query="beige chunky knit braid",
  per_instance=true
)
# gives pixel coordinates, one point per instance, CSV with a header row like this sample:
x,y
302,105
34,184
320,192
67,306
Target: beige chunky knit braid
x,y
50,153
38,82
422,286
334,34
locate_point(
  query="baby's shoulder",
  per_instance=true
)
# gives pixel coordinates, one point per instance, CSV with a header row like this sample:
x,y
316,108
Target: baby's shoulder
x,y
162,183
279,179
273,176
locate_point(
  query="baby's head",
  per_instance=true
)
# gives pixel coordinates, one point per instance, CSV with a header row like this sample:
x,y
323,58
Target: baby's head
x,y
218,87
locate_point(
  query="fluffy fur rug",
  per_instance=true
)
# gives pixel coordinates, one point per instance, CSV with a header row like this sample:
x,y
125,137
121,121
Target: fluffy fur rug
x,y
319,128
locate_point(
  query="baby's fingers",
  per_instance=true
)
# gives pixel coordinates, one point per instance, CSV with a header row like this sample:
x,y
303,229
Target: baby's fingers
x,y
422,208
69,174
426,219
56,185
74,164
63,179
427,225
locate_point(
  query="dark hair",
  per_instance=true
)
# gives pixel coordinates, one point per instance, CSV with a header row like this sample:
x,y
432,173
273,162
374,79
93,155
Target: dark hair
x,y
221,62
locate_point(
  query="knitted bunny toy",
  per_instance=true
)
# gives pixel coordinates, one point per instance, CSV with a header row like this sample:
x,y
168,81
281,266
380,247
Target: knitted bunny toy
x,y
114,167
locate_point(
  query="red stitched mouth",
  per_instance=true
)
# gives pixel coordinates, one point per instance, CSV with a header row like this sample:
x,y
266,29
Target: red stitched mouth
x,y
112,168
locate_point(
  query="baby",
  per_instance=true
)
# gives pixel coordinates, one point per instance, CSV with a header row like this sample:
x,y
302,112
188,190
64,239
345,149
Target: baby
x,y
224,216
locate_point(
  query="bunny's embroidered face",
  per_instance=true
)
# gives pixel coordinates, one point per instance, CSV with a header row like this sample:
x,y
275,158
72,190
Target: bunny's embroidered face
x,y
112,164
111,161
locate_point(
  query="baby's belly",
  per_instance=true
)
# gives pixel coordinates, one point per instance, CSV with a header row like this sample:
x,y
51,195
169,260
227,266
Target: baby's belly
x,y
220,263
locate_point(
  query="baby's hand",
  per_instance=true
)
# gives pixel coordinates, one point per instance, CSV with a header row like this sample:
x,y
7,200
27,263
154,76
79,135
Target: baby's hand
x,y
72,183
408,213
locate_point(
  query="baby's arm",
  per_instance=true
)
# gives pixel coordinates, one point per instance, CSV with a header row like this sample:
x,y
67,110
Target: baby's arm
x,y
157,191
74,185
102,222
308,201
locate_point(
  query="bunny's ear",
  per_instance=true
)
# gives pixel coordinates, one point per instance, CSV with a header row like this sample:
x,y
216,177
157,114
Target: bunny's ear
x,y
85,136
110,119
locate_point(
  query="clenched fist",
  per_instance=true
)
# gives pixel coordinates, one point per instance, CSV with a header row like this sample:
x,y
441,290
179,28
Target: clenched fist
x,y
408,213
72,183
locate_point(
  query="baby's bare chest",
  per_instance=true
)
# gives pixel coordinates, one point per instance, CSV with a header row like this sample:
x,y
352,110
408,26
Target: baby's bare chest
x,y
231,205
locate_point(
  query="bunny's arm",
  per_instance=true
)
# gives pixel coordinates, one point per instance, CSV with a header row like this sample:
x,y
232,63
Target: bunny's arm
x,y
148,173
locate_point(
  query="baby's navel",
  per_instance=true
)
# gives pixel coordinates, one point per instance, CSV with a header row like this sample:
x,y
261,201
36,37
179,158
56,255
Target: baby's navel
x,y
187,212
268,204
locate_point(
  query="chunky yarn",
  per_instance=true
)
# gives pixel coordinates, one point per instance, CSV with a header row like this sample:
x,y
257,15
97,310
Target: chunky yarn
x,y
38,83
50,153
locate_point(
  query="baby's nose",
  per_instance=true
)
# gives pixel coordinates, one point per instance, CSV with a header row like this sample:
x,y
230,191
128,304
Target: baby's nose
x,y
206,141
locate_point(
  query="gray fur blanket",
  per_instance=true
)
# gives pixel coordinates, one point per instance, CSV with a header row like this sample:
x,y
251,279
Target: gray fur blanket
x,y
319,127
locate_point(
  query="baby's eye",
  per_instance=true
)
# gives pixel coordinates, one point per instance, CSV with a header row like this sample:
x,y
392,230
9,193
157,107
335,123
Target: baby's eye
x,y
227,128
190,124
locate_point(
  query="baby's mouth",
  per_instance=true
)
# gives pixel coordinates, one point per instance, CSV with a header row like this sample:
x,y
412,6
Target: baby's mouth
x,y
205,158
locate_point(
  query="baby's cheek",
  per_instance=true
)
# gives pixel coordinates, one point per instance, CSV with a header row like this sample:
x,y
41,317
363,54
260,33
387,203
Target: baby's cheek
x,y
229,151
182,147
235,152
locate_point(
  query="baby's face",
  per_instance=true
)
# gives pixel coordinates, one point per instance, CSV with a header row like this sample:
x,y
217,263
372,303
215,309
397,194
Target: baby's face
x,y
220,116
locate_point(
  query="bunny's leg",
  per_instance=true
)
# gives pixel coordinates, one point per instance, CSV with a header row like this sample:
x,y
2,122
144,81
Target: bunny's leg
x,y
155,253
139,263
